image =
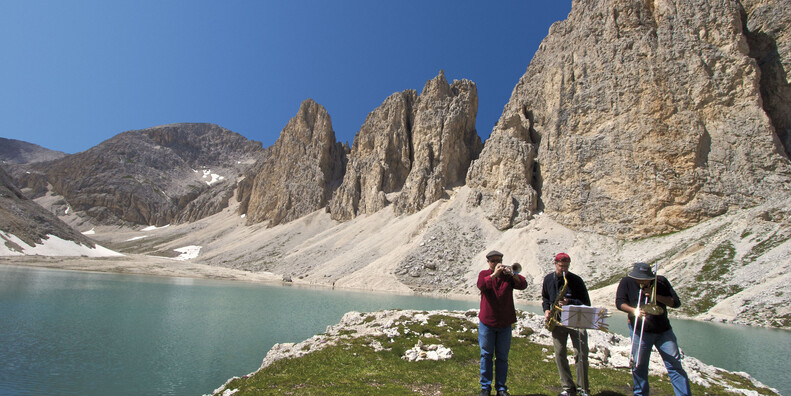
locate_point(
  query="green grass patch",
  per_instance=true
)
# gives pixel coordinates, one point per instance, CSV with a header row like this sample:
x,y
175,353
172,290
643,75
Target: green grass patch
x,y
719,262
764,246
353,367
708,296
614,278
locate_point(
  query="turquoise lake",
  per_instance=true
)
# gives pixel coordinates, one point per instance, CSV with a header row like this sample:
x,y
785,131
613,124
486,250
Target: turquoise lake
x,y
81,333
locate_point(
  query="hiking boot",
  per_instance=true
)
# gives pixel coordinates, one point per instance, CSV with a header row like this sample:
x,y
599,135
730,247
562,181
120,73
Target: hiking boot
x,y
503,393
485,392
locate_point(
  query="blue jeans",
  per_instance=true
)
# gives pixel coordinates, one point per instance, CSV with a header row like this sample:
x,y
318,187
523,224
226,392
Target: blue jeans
x,y
668,348
495,342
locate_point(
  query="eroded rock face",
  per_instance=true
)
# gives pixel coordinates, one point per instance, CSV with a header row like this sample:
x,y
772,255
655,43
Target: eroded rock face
x,y
444,142
301,170
410,150
380,159
634,118
23,218
768,29
150,176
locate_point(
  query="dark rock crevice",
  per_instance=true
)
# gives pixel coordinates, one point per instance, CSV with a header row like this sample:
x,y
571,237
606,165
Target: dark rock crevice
x,y
774,86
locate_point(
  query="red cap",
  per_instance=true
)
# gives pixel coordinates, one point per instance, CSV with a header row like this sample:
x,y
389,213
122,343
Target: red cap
x,y
562,257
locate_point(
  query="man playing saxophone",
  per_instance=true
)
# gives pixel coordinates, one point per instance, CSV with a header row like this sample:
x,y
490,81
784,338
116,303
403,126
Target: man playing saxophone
x,y
560,288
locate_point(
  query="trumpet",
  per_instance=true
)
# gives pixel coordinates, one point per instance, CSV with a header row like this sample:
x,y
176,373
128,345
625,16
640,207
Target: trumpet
x,y
513,269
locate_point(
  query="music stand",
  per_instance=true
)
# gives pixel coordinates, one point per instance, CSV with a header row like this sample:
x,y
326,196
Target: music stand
x,y
584,317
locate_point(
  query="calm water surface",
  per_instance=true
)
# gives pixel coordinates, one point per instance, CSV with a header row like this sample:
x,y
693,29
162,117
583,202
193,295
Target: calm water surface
x,y
76,333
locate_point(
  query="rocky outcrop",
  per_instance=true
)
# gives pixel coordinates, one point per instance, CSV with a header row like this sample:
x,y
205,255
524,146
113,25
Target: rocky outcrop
x,y
410,150
504,177
301,170
607,350
444,142
29,222
644,117
148,176
380,159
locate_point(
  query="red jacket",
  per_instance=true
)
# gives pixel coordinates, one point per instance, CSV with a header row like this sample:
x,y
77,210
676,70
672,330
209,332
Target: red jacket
x,y
497,298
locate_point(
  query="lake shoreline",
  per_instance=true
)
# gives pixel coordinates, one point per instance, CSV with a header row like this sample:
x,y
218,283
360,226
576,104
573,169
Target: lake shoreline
x,y
135,264
59,269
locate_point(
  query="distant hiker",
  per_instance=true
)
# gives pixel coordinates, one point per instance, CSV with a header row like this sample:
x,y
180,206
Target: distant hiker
x,y
496,316
560,288
652,294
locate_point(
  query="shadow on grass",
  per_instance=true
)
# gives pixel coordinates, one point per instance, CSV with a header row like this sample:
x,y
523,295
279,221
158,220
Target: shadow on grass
x,y
603,393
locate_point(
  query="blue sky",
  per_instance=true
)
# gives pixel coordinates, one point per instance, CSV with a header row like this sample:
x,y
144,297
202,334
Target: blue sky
x,y
75,73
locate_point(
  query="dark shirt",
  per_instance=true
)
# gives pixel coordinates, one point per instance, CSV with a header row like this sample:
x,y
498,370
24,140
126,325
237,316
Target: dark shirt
x,y
576,290
629,291
497,298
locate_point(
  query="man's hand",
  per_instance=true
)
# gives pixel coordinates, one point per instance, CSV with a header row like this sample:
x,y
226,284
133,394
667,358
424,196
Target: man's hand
x,y
498,270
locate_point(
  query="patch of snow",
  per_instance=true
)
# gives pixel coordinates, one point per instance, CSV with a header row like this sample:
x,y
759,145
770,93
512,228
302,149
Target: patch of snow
x,y
90,232
152,228
187,252
53,246
136,238
213,177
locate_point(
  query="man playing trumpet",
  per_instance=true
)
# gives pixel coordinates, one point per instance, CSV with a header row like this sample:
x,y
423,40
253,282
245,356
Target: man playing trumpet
x,y
644,296
560,288
497,314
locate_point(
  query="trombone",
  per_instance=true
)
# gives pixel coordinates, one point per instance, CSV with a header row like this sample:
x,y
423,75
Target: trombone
x,y
650,308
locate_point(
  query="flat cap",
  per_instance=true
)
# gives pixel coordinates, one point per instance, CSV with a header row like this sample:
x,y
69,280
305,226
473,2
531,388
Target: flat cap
x,y
493,253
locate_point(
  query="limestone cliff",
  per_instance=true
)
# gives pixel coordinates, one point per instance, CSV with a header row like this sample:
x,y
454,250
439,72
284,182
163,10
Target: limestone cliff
x,y
636,118
380,159
410,150
767,24
300,172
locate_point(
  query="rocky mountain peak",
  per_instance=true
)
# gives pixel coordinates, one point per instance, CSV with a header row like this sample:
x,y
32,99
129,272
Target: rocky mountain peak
x,y
411,149
18,152
300,172
155,176
636,118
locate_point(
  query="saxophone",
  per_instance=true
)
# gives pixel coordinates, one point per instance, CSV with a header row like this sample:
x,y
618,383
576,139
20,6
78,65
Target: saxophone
x,y
554,312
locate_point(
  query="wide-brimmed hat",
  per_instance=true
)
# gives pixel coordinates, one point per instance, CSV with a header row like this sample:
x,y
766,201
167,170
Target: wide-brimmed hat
x,y
642,271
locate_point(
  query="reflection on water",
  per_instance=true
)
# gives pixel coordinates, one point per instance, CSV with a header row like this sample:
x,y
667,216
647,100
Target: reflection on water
x,y
94,334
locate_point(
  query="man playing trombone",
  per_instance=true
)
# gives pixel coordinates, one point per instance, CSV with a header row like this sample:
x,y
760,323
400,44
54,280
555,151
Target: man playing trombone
x,y
560,288
644,296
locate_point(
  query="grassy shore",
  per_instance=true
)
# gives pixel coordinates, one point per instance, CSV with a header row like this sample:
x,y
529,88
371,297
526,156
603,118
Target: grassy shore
x,y
354,362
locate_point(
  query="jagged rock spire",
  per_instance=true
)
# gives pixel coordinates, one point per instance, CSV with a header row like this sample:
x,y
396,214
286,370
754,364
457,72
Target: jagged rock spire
x,y
410,149
300,172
